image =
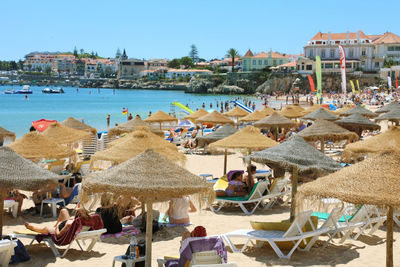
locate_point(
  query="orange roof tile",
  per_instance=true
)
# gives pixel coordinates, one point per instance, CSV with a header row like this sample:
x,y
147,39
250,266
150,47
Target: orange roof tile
x,y
273,55
388,38
338,36
249,54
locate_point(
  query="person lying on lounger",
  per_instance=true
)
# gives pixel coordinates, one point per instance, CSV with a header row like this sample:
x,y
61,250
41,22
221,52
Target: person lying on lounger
x,y
236,188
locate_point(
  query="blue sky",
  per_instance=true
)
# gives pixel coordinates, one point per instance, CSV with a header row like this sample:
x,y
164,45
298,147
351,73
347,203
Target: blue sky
x,y
167,28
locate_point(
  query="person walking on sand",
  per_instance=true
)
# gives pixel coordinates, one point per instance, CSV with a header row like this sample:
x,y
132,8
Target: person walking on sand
x,y
130,117
108,120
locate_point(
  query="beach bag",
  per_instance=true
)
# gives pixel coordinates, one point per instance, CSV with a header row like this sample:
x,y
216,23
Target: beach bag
x,y
156,226
142,252
20,253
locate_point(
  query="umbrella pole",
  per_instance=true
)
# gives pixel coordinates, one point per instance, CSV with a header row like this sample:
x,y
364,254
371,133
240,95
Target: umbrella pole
x,y
389,238
149,232
2,197
322,146
249,151
295,177
160,126
225,160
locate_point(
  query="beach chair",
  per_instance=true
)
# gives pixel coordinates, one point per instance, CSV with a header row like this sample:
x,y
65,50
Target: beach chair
x,y
6,251
89,147
12,206
57,166
294,234
279,189
83,236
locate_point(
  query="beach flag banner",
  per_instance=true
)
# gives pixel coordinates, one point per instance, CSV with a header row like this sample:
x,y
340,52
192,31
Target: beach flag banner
x,y
42,125
389,82
353,89
358,87
311,81
318,73
342,56
397,82
125,111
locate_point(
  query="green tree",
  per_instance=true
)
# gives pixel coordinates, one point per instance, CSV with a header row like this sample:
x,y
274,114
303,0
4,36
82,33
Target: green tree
x,y
39,69
108,72
81,51
29,67
175,63
75,52
47,70
118,54
194,53
232,53
187,62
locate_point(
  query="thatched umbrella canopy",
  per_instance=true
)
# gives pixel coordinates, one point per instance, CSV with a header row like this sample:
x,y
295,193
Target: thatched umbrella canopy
x,y
314,108
393,115
214,118
134,144
36,146
65,135
249,138
195,115
151,178
360,110
267,111
78,125
5,134
358,123
219,134
340,111
253,117
19,173
293,111
236,112
130,126
322,130
298,156
389,107
383,142
160,117
320,113
374,181
275,120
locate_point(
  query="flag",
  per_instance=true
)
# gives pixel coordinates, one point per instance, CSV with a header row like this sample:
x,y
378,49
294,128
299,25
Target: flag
x,y
389,82
125,111
318,73
397,82
358,87
312,86
353,89
342,56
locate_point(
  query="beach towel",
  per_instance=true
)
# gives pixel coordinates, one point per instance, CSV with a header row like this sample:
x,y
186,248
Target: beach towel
x,y
126,230
163,220
95,223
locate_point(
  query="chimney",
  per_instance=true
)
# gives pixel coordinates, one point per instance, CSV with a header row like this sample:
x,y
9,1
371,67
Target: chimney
x,y
347,36
358,36
329,37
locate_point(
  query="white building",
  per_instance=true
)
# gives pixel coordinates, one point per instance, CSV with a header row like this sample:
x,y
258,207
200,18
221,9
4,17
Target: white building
x,y
177,73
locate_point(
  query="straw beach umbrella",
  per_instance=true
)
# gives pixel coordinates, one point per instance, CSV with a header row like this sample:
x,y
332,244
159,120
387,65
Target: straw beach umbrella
x,y
389,107
393,116
249,138
36,146
195,115
275,120
160,117
360,110
374,181
340,111
130,126
314,108
219,134
358,123
322,130
383,142
5,134
320,113
293,111
298,156
17,172
214,118
134,144
267,111
237,113
151,178
78,125
253,117
65,135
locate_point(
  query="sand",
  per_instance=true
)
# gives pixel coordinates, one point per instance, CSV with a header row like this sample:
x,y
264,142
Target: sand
x,y
367,251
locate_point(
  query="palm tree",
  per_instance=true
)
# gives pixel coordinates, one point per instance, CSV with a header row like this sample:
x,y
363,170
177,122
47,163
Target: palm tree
x,y
232,53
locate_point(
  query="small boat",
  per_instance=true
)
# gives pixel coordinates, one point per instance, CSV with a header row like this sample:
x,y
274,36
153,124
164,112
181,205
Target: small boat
x,y
10,92
53,91
25,90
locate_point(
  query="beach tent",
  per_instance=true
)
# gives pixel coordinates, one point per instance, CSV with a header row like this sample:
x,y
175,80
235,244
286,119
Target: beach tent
x,y
214,118
36,146
374,181
195,115
358,123
383,142
320,113
393,115
219,134
130,126
135,143
160,117
389,107
253,117
17,172
6,134
151,178
78,125
65,135
249,138
360,110
322,130
297,156
293,111
42,125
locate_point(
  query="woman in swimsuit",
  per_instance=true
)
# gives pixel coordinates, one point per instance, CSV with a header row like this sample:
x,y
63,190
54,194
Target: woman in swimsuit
x,y
63,223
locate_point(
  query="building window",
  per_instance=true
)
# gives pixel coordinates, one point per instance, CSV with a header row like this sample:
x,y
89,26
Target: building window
x,y
309,67
363,52
311,53
274,62
280,62
376,64
328,65
265,61
394,48
260,62
244,61
254,62
351,53
323,53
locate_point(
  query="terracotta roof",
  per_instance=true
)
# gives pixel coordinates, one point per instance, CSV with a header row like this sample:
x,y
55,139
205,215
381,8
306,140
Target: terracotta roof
x,y
338,36
289,64
273,55
373,37
388,38
249,54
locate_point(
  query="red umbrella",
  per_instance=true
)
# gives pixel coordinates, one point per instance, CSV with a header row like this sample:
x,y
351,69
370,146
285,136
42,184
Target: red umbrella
x,y
43,124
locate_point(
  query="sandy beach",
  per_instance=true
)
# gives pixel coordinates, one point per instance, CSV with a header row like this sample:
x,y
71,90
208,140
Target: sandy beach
x,y
367,251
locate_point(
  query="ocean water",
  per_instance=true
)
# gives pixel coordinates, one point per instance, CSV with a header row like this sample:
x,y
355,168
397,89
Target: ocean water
x,y
92,105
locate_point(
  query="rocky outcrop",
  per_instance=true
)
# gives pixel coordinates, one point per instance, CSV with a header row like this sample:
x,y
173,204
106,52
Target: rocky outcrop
x,y
226,89
153,85
199,85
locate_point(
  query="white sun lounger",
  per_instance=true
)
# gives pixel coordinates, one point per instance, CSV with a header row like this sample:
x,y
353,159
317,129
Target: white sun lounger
x,y
294,234
83,236
12,205
256,196
6,251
